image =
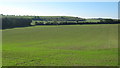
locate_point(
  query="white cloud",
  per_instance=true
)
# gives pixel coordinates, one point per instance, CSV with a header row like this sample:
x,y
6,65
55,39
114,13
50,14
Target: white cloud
x,y
10,10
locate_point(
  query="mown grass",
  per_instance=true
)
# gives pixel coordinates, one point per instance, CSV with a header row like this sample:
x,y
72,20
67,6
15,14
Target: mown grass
x,y
61,45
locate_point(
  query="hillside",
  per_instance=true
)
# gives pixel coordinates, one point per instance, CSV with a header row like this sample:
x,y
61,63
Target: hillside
x,y
65,45
12,21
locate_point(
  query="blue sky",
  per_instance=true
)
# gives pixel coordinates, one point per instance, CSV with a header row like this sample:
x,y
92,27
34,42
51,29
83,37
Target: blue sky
x,y
80,9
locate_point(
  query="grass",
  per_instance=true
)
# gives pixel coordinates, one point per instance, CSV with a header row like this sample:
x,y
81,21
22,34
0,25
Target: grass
x,y
62,45
92,20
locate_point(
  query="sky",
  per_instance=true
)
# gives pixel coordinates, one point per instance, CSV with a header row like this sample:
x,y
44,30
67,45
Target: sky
x,y
79,9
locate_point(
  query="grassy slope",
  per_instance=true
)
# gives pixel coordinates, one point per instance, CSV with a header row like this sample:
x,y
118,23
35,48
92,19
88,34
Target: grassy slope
x,y
74,45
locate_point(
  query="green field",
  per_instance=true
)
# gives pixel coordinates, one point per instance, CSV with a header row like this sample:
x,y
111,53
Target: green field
x,y
62,45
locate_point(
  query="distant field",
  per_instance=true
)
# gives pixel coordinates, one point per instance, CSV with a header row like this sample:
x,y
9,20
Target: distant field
x,y
62,45
87,20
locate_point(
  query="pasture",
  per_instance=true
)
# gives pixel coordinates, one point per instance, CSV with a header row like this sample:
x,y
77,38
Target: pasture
x,y
61,45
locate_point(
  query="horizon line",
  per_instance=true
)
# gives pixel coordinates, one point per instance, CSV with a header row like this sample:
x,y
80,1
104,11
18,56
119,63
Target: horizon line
x,y
62,15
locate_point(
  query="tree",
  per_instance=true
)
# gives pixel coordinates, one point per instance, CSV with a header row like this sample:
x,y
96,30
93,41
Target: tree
x,y
15,22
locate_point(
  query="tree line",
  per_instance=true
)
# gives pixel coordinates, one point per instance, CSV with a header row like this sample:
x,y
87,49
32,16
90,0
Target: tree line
x,y
57,18
15,22
18,21
103,21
